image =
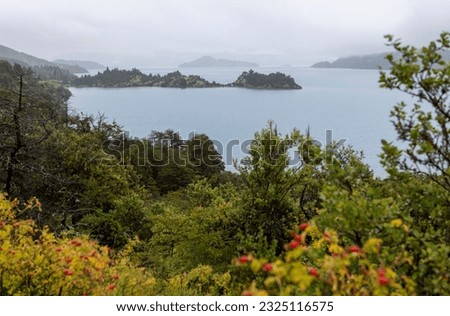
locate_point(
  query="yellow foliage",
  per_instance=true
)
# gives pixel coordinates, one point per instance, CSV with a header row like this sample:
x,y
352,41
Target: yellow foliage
x,y
336,271
199,281
396,222
34,261
372,245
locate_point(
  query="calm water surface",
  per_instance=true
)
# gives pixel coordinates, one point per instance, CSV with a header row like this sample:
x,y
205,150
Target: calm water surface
x,y
348,102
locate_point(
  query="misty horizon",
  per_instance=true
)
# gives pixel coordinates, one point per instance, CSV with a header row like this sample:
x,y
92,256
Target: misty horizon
x,y
168,33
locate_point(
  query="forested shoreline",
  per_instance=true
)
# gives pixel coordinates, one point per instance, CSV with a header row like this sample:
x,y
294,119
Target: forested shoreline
x,y
88,210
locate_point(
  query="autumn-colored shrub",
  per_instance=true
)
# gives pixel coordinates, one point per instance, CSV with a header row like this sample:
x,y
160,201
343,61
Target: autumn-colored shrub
x,y
198,281
316,263
33,261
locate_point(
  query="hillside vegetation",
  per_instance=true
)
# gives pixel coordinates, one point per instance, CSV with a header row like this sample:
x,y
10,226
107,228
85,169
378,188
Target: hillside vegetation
x,y
87,209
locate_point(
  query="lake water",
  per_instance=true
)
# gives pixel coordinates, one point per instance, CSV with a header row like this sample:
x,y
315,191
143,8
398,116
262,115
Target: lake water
x,y
347,102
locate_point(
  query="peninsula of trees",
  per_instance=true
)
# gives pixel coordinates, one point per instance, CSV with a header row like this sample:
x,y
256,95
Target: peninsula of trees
x,y
116,78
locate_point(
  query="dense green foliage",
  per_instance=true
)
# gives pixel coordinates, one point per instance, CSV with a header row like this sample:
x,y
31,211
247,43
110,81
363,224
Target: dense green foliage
x,y
166,204
54,73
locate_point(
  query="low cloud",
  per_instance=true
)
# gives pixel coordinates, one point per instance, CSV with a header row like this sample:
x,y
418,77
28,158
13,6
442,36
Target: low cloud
x,y
143,33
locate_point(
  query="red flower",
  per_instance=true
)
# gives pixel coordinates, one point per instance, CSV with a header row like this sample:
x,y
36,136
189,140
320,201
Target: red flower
x,y
116,277
83,257
293,244
353,249
247,293
381,272
302,226
111,287
68,272
68,260
76,242
244,259
59,249
298,238
313,272
267,267
382,280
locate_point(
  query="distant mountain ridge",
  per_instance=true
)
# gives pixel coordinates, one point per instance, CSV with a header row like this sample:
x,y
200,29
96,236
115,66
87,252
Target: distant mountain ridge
x,y
82,63
13,56
372,61
208,61
10,54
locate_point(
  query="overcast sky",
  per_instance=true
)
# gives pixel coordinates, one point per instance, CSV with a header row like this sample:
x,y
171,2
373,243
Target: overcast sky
x,y
167,32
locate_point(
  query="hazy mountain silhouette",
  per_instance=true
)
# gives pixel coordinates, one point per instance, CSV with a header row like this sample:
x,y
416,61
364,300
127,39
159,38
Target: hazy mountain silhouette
x,y
13,56
208,61
372,61
82,63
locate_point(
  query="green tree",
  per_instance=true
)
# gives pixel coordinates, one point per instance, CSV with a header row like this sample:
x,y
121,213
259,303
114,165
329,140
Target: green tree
x,y
85,179
30,111
203,156
269,181
421,171
192,227
425,125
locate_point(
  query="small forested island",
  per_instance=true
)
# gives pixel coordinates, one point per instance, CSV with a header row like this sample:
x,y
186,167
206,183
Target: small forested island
x,y
117,78
254,80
